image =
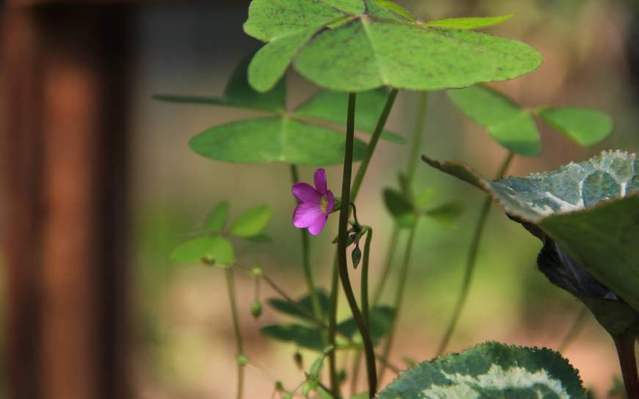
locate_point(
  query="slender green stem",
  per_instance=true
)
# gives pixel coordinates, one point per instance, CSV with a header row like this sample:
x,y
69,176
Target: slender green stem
x,y
388,265
625,344
306,258
342,243
417,138
364,282
372,144
230,285
359,179
471,260
399,296
575,329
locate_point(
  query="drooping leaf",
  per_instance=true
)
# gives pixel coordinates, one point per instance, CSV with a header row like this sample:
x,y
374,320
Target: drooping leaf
x,y
217,218
510,125
332,106
209,249
590,209
468,23
239,94
252,222
274,139
400,207
302,336
490,370
344,46
380,321
585,126
303,307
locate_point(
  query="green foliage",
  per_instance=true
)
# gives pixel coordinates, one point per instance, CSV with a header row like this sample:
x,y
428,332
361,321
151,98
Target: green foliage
x,y
589,209
252,222
585,126
301,335
514,127
308,135
216,219
490,370
400,207
511,126
211,250
406,210
468,23
357,45
380,321
303,307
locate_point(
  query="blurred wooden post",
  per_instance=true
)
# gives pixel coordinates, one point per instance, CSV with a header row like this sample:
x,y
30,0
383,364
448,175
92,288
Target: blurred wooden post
x,y
64,146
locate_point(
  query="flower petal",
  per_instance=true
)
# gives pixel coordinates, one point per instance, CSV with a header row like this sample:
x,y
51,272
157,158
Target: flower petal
x,y
318,225
320,181
330,204
306,214
306,193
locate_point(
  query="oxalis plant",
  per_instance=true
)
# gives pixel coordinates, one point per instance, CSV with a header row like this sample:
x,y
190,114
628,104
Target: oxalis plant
x,y
361,53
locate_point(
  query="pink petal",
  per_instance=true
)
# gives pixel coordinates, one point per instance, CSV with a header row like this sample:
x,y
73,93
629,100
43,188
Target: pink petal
x,y
305,193
330,202
307,214
320,181
317,226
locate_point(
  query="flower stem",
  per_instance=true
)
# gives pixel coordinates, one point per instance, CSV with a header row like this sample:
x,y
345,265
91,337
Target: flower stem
x,y
342,243
625,344
399,296
230,285
306,258
471,260
364,282
359,178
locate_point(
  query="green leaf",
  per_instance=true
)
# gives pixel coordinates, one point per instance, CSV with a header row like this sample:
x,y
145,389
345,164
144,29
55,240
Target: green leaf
x,y
468,23
332,106
341,45
209,249
252,222
303,307
490,370
424,198
217,218
511,126
400,207
446,214
380,321
302,336
239,94
585,126
273,139
590,209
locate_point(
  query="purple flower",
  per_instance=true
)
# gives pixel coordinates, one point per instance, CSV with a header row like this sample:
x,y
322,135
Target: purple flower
x,y
314,204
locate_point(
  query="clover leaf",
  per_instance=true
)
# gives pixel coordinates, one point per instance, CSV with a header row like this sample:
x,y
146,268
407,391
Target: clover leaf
x,y
490,370
587,215
310,134
357,45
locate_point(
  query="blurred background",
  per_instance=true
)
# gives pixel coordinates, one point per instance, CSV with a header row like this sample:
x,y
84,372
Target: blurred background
x,y
178,327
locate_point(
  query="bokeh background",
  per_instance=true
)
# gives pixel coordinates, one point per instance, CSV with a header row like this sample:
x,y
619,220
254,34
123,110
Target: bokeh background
x,y
182,340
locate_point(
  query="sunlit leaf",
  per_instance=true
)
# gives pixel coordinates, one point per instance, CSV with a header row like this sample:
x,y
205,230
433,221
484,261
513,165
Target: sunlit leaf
x,y
585,126
490,370
274,139
344,46
252,222
468,23
510,125
209,249
217,218
400,207
332,106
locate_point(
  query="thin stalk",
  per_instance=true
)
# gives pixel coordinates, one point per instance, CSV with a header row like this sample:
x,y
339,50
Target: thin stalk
x,y
471,260
306,258
575,329
359,179
230,285
625,344
342,243
364,282
388,265
399,297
